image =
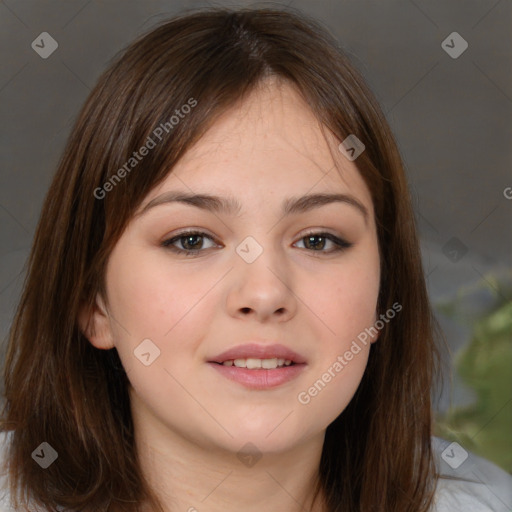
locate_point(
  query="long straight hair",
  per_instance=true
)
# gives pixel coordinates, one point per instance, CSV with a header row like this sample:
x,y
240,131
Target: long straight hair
x,y
60,389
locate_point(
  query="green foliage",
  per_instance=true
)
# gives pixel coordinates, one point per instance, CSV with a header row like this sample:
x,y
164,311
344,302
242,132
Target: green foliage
x,y
485,366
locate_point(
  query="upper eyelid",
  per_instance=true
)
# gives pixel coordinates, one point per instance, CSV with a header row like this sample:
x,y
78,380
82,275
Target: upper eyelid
x,y
193,231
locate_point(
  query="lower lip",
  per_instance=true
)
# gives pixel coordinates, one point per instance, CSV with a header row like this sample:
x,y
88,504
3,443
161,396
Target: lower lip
x,y
260,379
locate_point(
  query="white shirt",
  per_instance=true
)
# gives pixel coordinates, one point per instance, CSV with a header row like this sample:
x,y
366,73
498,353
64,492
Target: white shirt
x,y
490,491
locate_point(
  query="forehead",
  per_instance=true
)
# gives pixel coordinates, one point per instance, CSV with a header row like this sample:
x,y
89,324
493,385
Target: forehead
x,y
271,143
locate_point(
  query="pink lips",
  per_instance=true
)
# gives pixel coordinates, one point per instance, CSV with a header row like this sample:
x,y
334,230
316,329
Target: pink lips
x,y
259,378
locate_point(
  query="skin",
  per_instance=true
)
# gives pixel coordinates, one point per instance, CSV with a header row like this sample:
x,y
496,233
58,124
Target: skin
x,y
190,421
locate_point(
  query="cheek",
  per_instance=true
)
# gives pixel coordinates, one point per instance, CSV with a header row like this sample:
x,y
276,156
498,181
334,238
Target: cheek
x,y
332,387
153,299
149,296
346,298
162,302
353,307
348,311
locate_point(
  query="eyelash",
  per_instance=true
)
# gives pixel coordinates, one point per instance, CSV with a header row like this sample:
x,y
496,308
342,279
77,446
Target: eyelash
x,y
340,244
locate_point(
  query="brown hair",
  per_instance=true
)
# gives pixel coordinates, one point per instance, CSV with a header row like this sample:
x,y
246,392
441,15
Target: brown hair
x,y
60,389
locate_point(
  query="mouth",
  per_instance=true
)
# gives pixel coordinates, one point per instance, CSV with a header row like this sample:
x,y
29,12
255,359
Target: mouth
x,y
254,355
258,366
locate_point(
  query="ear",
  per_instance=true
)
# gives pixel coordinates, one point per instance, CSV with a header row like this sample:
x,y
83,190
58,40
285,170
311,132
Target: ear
x,y
94,322
375,337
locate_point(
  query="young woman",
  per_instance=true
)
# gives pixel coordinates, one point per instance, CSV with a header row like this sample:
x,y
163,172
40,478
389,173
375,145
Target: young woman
x,y
225,306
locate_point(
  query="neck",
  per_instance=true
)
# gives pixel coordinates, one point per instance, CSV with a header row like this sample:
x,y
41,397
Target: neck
x,y
192,477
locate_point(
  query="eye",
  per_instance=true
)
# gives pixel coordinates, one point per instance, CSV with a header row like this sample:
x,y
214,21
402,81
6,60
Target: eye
x,y
316,241
191,241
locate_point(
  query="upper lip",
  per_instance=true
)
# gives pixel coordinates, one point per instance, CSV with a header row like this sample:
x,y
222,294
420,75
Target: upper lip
x,y
257,351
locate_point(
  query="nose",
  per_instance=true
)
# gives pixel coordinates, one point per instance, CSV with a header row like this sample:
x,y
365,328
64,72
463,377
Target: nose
x,y
262,290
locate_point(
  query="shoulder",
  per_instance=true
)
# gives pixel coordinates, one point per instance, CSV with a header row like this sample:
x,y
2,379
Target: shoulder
x,y
474,484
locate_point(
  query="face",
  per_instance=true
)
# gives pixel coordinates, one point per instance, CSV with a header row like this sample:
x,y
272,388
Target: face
x,y
306,279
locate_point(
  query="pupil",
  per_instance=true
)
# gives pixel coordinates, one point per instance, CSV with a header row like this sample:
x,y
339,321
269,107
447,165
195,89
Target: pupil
x,y
188,238
310,238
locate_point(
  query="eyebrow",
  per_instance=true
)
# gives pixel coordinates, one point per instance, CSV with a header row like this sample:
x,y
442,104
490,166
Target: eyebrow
x,y
231,206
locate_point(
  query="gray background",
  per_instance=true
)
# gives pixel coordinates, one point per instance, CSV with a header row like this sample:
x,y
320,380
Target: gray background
x,y
451,118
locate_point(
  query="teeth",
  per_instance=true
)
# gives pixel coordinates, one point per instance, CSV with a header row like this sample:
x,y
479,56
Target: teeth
x,y
253,363
269,363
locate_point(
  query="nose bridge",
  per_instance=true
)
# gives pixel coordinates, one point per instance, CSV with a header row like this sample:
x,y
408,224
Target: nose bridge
x,y
261,279
261,257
